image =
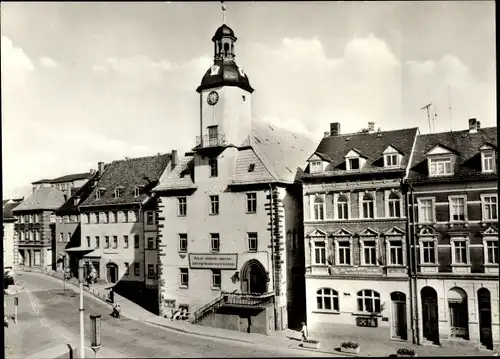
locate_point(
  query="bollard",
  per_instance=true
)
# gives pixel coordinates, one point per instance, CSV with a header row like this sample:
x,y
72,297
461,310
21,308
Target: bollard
x,y
16,304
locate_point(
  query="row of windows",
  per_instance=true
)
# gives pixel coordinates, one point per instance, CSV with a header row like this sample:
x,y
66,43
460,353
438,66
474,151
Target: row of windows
x,y
443,165
369,252
252,241
327,299
458,208
251,204
118,192
112,241
367,207
118,217
460,251
137,270
215,279
391,160
29,236
30,218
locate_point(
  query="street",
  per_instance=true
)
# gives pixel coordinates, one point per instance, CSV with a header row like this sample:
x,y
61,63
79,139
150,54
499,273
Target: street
x,y
49,316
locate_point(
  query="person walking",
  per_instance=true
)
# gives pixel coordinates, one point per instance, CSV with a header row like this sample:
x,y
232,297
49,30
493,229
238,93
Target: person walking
x,y
303,332
116,310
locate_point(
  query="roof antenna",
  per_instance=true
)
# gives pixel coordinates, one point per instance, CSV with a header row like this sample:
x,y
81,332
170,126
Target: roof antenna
x,y
449,106
223,12
426,107
434,118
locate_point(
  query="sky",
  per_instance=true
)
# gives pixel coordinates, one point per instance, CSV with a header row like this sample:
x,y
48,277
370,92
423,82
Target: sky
x,y
84,82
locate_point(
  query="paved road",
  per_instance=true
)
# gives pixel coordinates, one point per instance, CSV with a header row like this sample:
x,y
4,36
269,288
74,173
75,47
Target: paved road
x,y
58,321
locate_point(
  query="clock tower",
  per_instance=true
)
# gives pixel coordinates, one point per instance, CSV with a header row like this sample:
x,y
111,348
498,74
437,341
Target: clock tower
x,y
225,96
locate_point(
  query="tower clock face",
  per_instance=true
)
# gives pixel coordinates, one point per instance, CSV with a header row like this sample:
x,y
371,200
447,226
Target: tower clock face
x,y
213,98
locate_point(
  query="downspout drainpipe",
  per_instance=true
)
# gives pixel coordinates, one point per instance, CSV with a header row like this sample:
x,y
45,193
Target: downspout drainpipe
x,y
272,253
141,214
409,255
414,269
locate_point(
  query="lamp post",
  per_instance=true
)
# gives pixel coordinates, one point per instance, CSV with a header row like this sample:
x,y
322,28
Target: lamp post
x,y
80,276
95,333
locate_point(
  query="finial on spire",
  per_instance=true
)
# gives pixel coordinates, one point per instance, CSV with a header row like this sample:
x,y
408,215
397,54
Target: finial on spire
x,y
223,12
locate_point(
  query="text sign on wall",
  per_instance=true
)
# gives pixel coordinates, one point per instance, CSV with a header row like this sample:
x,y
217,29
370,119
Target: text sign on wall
x,y
366,322
213,261
356,270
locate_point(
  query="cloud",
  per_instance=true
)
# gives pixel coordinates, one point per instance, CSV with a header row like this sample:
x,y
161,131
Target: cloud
x,y
48,62
16,65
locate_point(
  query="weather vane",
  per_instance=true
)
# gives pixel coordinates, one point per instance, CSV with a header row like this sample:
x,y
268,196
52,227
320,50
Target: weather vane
x,y
223,12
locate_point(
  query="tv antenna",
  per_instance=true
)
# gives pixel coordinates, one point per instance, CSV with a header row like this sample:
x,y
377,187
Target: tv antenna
x,y
426,107
449,105
223,12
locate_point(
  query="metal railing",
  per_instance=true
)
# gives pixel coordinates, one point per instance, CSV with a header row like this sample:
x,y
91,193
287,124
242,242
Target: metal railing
x,y
248,299
211,140
207,309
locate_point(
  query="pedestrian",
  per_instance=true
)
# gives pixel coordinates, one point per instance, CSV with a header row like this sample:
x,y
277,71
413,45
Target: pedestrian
x,y
304,332
116,310
112,295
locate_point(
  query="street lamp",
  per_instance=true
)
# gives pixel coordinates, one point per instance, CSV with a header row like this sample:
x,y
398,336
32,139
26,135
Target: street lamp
x,y
95,333
80,277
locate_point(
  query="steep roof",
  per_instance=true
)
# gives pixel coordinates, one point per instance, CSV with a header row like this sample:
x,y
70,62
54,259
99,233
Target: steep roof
x,y
466,147
370,145
128,174
80,194
66,178
181,176
48,198
8,206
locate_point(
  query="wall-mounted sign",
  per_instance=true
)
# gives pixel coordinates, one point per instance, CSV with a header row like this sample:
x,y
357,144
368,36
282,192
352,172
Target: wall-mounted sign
x,y
356,270
213,261
366,322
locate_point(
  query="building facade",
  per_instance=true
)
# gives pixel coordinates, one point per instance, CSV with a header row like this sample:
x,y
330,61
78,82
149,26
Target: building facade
x,y
35,227
66,183
230,211
9,234
355,233
454,232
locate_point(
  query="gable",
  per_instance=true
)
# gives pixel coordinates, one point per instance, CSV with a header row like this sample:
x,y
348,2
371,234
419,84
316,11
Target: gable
x,y
439,150
314,157
490,231
427,231
342,232
394,231
487,147
353,153
317,233
391,149
368,232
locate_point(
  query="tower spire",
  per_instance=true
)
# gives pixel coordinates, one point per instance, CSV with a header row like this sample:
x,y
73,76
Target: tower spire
x,y
223,12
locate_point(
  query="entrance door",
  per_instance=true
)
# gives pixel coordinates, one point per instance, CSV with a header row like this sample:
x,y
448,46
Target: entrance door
x,y
430,314
30,264
484,303
399,329
112,272
459,317
254,278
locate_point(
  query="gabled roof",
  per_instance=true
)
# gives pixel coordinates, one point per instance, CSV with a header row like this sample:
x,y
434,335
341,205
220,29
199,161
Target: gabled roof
x,y
487,145
70,207
322,156
48,198
181,176
466,146
128,173
354,152
66,178
369,145
438,149
8,206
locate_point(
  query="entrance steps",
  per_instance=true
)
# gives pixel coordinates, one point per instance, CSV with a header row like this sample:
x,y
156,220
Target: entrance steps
x,y
462,343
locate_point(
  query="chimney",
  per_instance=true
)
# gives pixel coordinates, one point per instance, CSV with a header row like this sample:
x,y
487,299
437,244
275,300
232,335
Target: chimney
x,y
326,134
334,129
371,127
478,125
173,160
100,168
472,125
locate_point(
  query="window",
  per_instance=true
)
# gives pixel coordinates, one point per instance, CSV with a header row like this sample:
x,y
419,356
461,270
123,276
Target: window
x,y
97,242
369,252
183,242
150,217
327,299
115,241
490,207
426,210
125,241
182,206
252,241
394,205
126,268
212,162
184,277
97,217
342,208
118,192
126,216
31,218
395,249
61,237
368,204
491,252
114,217
251,202
136,241
137,269
216,278
106,241
37,257
28,238
151,243
391,160
316,166
21,219
457,209
251,167
214,204
353,163
428,252
214,242
26,218
37,218
344,252
460,255
86,218
36,234
319,209
69,237
319,252
88,242
440,166
213,135
488,160
136,192
151,271
368,301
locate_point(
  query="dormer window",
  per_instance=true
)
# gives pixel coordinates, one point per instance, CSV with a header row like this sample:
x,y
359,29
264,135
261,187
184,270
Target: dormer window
x,y
76,200
488,160
316,166
118,192
354,160
391,160
137,192
440,166
99,193
353,163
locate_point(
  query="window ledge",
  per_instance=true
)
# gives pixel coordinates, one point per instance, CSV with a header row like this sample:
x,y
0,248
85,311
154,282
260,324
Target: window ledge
x,y
366,314
251,212
428,265
491,264
183,287
182,252
331,312
396,266
217,289
460,265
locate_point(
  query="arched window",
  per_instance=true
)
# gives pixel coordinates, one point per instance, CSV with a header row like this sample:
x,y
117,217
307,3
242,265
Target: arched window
x,y
368,204
394,205
342,208
319,207
368,301
327,299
